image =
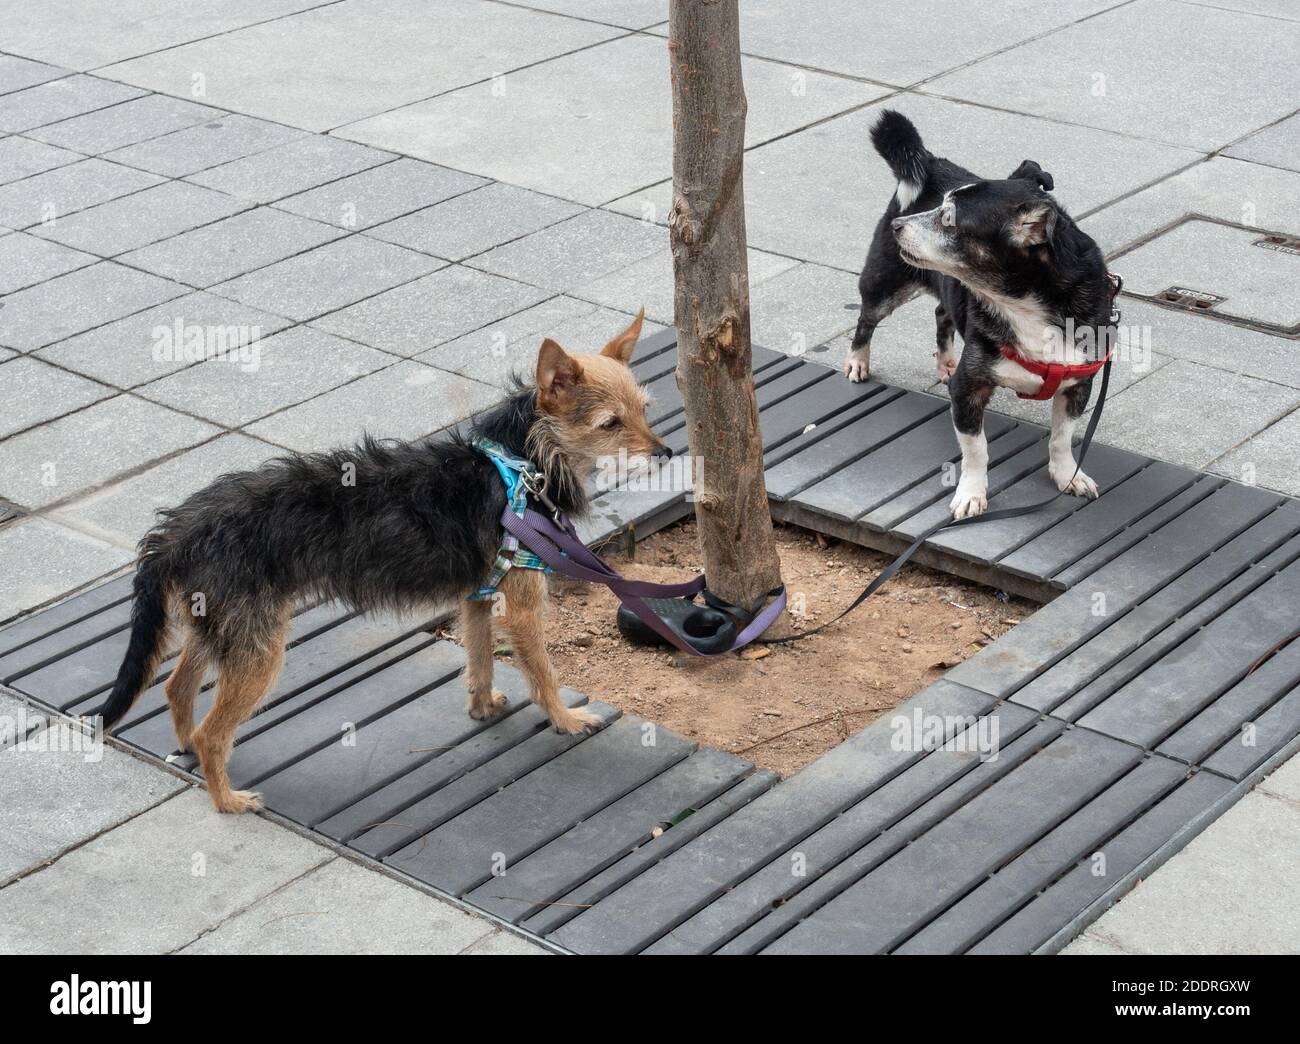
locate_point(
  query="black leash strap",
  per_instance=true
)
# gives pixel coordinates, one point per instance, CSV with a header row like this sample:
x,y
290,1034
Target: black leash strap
x,y
989,516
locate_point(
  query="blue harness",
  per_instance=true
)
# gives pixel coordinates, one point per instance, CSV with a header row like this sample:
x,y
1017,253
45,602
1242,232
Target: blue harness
x,y
521,477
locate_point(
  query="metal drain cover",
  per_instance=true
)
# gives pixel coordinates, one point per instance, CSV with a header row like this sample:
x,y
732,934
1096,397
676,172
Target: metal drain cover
x,y
1224,270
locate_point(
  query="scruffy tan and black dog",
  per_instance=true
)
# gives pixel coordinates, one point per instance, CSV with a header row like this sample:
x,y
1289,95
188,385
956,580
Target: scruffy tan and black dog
x,y
383,525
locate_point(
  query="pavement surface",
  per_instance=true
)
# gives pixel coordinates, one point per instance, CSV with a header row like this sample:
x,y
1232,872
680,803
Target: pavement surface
x,y
231,228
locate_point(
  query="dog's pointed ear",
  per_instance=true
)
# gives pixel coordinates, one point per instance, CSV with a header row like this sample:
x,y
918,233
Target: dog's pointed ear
x,y
1031,171
558,374
622,346
1033,224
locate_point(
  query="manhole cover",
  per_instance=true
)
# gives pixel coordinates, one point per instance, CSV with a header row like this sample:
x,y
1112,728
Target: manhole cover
x,y
1222,270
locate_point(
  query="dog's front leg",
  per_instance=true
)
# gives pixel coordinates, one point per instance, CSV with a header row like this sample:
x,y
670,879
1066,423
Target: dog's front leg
x,y
525,595
1067,408
968,402
476,626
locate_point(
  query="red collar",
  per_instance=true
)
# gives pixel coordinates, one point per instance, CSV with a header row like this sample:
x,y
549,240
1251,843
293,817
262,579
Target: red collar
x,y
1054,373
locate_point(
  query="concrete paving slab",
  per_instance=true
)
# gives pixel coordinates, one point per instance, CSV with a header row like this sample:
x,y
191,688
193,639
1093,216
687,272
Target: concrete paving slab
x,y
190,867
328,277
591,126
55,194
405,401
505,944
141,218
1277,146
1199,78
1231,190
497,353
287,169
22,157
649,283
631,14
352,59
475,221
26,260
286,369
380,194
1178,334
818,194
110,32
1275,8
419,315
210,144
1190,414
18,720
33,391
1284,782
801,308
1231,890
17,74
78,301
51,463
122,512
146,345
840,38
231,247
1088,945
575,252
343,908
1207,257
40,560
120,125
61,789
59,100
1268,459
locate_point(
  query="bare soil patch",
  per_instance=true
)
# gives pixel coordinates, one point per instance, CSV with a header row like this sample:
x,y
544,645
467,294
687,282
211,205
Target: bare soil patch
x,y
794,702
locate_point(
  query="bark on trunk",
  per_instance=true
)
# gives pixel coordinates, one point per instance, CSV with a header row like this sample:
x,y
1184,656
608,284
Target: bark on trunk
x,y
711,300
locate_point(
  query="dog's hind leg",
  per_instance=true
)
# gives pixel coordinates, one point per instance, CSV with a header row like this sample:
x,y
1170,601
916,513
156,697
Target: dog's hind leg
x,y
181,687
476,630
245,676
525,594
886,283
946,357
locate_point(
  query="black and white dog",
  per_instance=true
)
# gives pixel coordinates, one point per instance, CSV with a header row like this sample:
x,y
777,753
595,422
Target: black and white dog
x,y
1027,290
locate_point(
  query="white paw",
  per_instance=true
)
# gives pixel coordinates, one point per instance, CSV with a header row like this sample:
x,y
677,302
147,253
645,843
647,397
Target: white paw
x,y
968,502
1073,480
945,365
857,367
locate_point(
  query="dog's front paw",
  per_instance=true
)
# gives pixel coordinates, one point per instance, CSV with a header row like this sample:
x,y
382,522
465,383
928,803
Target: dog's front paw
x,y
482,709
237,802
968,502
1073,480
945,365
575,721
857,367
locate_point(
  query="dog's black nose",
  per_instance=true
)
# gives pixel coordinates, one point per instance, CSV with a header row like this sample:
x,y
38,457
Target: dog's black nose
x,y
897,224
662,453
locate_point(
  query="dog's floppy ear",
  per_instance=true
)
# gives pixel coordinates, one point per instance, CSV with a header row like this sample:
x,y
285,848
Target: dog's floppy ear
x,y
558,374
1031,171
1033,224
622,346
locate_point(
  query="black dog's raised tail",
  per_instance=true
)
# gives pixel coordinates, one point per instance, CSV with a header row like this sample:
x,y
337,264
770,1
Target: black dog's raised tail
x,y
144,648
899,144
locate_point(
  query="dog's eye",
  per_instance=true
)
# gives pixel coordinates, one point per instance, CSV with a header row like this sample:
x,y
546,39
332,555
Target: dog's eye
x,y
611,424
948,217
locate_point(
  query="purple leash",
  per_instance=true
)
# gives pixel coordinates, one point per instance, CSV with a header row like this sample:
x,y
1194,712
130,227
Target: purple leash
x,y
558,545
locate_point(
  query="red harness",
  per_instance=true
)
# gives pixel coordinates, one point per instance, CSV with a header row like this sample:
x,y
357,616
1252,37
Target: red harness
x,y
1051,373
1054,373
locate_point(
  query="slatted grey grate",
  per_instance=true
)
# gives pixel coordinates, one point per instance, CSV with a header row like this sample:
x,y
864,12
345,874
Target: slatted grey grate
x,y
1142,700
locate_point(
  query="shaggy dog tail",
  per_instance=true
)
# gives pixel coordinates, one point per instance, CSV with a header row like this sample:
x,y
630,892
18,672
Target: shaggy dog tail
x,y
899,144
149,626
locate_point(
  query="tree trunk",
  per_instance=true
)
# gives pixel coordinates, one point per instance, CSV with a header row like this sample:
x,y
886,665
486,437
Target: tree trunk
x,y
711,300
